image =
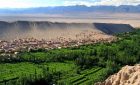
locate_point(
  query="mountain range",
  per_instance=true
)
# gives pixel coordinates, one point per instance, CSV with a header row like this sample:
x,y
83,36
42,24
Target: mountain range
x,y
73,9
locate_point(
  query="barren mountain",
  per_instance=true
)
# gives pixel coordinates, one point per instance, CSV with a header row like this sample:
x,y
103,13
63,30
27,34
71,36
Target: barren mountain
x,y
53,30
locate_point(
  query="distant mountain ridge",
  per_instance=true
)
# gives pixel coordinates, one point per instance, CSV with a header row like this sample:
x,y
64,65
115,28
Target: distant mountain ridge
x,y
75,9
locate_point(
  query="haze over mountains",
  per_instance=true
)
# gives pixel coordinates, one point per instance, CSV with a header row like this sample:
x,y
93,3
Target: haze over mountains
x,y
16,24
74,9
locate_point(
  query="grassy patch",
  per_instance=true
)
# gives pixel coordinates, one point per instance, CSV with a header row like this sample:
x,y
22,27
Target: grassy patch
x,y
10,71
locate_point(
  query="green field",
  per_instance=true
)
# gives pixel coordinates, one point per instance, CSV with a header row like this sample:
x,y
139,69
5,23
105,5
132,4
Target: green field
x,y
13,72
84,78
10,71
83,65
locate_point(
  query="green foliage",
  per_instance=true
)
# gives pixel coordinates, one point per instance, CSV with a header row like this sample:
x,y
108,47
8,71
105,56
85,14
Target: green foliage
x,y
9,71
86,76
86,61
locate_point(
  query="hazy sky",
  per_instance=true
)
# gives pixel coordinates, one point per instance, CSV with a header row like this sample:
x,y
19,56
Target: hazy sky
x,y
44,3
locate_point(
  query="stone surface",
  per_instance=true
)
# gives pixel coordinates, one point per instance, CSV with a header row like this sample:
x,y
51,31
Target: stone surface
x,y
128,75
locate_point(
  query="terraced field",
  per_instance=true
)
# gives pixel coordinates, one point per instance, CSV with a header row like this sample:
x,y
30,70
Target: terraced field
x,y
13,72
85,77
10,71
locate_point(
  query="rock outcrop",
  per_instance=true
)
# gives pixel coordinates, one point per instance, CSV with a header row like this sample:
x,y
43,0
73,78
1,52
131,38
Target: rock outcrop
x,y
128,75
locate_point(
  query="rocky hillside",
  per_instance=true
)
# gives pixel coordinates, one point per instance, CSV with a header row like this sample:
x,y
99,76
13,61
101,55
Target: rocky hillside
x,y
128,75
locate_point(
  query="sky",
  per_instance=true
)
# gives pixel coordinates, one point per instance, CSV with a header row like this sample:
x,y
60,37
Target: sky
x,y
46,3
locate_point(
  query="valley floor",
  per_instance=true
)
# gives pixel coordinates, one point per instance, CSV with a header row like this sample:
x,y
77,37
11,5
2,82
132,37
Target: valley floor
x,y
82,65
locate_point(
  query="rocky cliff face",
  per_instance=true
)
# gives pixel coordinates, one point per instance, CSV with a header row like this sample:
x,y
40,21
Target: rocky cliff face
x,y
128,75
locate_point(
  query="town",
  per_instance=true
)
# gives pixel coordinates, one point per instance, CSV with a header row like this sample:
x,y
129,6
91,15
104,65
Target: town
x,y
28,44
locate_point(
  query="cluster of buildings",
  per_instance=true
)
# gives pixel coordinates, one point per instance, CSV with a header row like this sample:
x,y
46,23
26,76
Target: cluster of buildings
x,y
28,44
